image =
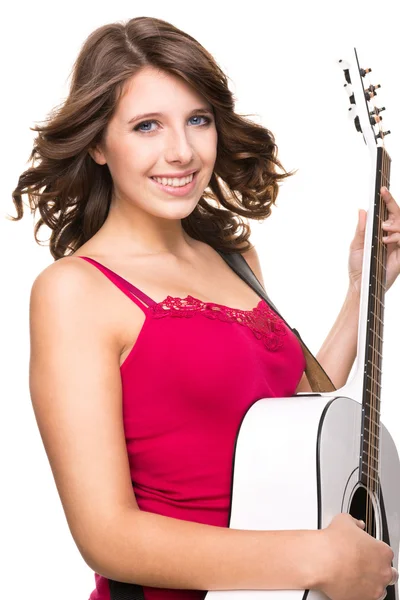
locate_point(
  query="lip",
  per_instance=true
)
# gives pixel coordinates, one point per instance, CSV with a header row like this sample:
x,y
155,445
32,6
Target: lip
x,y
177,191
177,175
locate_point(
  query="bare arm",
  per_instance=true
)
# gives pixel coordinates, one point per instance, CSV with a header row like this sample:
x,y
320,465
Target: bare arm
x,y
76,394
338,352
158,551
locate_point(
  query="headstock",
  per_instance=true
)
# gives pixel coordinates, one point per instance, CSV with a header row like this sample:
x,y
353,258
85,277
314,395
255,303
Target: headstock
x,y
363,110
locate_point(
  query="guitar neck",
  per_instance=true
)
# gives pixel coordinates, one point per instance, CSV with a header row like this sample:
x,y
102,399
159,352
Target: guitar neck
x,y
371,322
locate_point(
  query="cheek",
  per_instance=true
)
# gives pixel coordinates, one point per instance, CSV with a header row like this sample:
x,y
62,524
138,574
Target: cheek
x,y
208,147
135,160
214,142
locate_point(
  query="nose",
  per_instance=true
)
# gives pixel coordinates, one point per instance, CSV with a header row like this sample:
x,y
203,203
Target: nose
x,y
178,147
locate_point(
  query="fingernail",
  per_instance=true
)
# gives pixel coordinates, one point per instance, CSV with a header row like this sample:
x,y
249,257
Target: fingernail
x,y
387,223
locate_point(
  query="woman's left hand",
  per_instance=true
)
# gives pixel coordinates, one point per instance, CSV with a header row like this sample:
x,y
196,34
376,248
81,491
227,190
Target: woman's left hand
x,y
390,237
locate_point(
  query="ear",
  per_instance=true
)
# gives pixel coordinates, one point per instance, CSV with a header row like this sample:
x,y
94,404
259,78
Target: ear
x,y
97,154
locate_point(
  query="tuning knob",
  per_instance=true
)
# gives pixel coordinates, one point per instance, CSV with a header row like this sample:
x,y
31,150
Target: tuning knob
x,y
370,91
377,111
363,72
375,119
382,134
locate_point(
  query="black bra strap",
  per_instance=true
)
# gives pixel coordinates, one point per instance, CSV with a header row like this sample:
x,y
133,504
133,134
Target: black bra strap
x,y
125,591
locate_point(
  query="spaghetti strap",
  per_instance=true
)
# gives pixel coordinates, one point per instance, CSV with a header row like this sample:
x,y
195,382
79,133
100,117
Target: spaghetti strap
x,y
124,285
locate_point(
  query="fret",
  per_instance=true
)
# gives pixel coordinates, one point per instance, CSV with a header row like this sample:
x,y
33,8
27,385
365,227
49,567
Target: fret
x,y
375,424
374,380
373,394
377,367
378,336
378,281
384,179
372,458
377,356
376,317
379,262
370,433
376,410
372,469
376,351
371,477
379,300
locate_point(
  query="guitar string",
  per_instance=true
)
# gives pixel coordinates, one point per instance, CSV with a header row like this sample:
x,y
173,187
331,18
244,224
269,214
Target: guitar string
x,y
369,395
373,453
374,449
369,398
368,404
386,182
374,488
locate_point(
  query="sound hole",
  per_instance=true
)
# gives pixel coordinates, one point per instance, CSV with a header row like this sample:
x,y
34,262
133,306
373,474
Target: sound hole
x,y
361,507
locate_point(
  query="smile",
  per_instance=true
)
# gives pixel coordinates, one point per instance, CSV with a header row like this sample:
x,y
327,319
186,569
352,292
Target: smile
x,y
176,187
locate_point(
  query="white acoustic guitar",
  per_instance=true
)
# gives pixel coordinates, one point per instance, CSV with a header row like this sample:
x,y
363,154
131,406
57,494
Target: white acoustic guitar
x,y
299,461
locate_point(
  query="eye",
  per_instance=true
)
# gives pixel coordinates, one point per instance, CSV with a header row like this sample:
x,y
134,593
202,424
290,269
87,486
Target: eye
x,y
207,120
139,126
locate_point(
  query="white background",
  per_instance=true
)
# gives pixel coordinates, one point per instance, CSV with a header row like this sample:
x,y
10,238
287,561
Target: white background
x,y
281,61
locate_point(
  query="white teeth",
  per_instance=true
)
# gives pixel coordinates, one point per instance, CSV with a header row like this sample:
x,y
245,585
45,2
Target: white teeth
x,y
175,182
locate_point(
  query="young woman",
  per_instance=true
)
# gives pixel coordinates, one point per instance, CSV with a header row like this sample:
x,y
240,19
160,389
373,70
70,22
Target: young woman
x,y
142,174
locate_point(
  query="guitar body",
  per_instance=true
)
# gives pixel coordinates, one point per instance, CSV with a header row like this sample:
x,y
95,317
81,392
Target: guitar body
x,y
287,476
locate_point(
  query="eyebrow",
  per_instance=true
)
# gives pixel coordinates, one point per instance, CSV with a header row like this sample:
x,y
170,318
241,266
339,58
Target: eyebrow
x,y
159,114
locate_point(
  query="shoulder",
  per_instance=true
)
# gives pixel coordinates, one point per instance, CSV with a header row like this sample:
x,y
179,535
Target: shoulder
x,y
253,260
70,290
63,283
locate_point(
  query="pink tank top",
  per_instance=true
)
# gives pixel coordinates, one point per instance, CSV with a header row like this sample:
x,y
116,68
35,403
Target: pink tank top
x,y
193,373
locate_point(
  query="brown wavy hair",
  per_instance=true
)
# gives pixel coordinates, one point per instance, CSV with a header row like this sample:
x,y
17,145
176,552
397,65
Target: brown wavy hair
x,y
73,193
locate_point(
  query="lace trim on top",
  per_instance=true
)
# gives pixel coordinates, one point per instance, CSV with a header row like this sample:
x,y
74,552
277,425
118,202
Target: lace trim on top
x,y
262,320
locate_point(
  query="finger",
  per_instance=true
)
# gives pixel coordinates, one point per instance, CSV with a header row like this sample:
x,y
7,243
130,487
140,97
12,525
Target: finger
x,y
359,234
362,220
395,576
359,523
391,225
391,239
391,203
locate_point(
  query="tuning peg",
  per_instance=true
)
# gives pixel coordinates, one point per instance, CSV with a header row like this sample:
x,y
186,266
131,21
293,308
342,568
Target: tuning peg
x,y
370,91
363,72
376,111
375,119
382,134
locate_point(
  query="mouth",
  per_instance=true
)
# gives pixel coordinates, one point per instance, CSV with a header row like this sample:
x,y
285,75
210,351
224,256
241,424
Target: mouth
x,y
177,190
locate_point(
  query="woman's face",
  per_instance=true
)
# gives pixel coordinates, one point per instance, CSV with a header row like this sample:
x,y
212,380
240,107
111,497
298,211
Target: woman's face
x,y
181,138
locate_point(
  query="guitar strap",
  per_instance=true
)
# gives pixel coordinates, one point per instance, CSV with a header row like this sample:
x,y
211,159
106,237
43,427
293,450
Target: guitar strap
x,y
317,377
